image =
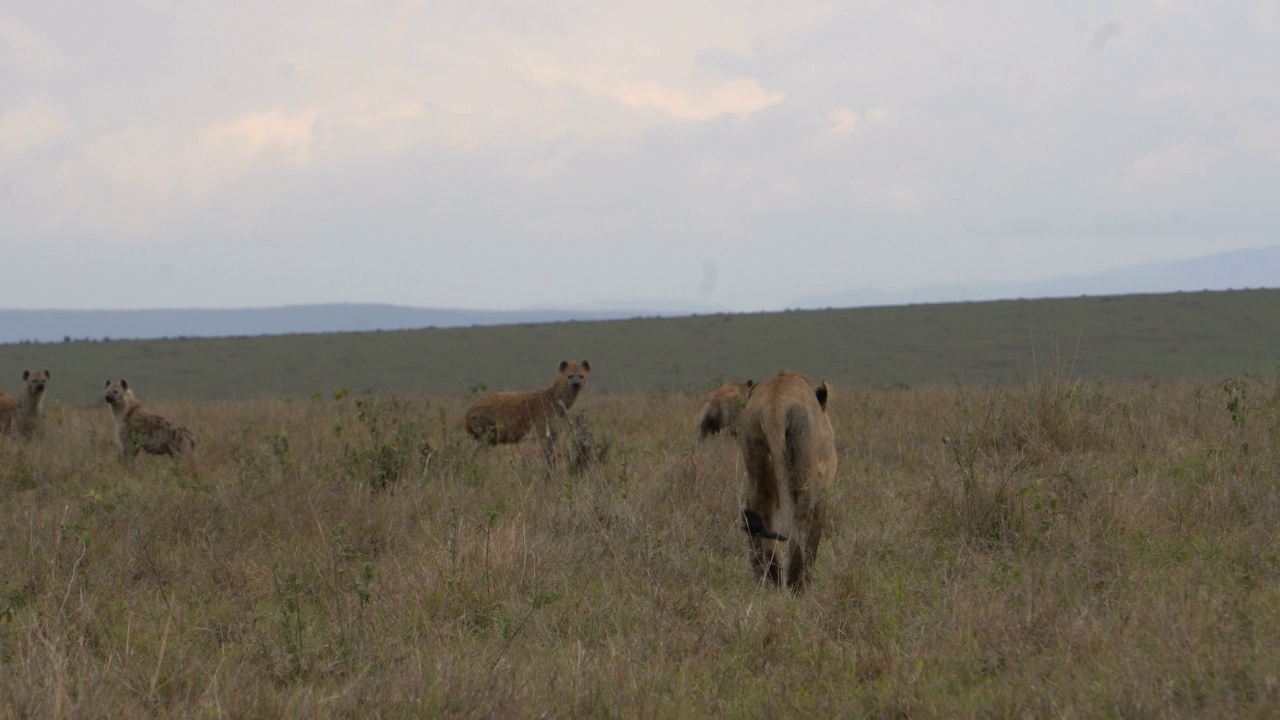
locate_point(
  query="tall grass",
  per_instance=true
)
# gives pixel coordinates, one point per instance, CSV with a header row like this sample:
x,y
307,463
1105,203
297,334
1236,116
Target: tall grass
x,y
1047,548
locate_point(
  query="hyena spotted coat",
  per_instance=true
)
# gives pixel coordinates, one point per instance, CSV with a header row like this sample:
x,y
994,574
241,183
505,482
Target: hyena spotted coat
x,y
506,417
790,455
137,429
23,414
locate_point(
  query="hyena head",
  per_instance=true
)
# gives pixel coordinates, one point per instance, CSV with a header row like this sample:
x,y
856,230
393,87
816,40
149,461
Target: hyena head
x,y
36,381
575,374
116,391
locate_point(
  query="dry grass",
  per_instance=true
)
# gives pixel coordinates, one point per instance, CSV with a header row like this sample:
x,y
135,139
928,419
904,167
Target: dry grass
x,y
1069,550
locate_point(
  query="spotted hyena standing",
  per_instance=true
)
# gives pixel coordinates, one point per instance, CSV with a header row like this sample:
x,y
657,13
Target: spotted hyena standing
x,y
23,414
506,417
138,429
722,409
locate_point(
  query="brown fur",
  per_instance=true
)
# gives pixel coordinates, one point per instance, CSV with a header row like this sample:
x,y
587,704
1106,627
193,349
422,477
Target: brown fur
x,y
23,414
506,417
137,429
790,455
722,409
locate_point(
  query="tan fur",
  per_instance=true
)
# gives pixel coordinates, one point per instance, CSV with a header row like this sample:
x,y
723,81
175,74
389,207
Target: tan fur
x,y
137,429
506,417
722,409
23,414
8,409
790,455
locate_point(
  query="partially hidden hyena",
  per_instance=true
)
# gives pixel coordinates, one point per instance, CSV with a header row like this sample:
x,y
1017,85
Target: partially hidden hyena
x,y
722,409
790,455
506,417
138,429
22,414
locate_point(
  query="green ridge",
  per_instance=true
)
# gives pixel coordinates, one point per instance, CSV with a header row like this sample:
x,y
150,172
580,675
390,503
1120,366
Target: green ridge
x,y
1113,338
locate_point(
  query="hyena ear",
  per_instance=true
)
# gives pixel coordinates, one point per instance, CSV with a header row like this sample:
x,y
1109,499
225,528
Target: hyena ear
x,y
26,374
47,374
751,383
106,384
563,364
124,384
821,392
586,366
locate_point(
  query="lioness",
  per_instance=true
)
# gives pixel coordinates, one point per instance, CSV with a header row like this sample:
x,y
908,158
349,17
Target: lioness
x,y
790,455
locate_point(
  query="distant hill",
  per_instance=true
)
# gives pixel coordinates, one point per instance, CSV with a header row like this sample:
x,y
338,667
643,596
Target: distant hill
x,y
1254,268
58,325
1206,336
1236,270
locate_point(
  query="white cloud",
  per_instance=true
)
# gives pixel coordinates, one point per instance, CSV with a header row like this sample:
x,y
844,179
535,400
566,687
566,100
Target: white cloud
x,y
845,120
1170,166
738,96
126,183
163,165
29,126
29,48
687,93
842,121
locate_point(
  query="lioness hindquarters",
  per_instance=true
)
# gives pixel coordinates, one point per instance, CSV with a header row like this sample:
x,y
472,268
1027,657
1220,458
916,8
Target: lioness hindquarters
x,y
788,448
507,417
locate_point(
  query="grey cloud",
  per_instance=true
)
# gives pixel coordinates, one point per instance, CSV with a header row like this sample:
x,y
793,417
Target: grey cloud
x,y
1095,127
1104,34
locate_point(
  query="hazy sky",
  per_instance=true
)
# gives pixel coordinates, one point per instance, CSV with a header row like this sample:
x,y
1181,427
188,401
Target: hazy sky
x,y
493,154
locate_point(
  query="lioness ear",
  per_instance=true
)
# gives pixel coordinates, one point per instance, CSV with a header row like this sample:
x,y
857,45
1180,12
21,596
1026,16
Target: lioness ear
x,y
586,366
821,393
563,364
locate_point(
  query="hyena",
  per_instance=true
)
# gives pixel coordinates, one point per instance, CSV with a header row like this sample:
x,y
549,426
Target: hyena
x,y
23,414
138,429
506,417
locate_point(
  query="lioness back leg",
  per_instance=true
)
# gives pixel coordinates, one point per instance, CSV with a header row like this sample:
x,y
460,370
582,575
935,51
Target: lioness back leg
x,y
762,503
803,551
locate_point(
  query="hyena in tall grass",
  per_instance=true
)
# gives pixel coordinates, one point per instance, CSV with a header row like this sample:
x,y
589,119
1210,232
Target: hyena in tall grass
x,y
507,417
790,454
23,414
137,429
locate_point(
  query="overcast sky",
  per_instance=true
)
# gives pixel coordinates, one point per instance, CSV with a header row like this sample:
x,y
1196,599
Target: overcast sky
x,y
494,154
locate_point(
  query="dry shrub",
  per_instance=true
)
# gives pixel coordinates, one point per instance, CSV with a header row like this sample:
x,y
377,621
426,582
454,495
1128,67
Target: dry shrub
x,y
568,444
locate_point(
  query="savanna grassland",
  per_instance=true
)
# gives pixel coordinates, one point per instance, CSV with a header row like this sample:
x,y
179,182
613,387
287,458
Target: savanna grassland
x,y
1046,547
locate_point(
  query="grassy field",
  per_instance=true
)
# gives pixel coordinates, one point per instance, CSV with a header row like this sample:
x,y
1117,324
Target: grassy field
x,y
1043,508
1073,548
1209,334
